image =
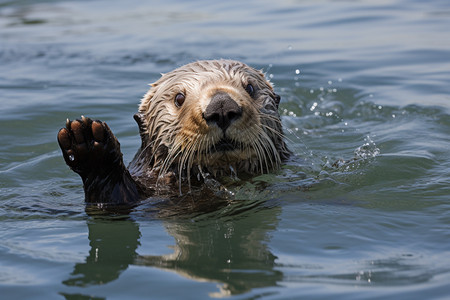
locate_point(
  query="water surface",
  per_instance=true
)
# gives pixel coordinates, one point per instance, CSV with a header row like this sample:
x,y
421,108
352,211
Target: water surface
x,y
361,211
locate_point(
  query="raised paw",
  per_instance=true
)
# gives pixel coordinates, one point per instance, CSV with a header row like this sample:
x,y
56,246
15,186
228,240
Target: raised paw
x,y
91,150
89,147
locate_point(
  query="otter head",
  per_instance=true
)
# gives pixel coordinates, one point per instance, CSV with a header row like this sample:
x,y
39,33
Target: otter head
x,y
214,116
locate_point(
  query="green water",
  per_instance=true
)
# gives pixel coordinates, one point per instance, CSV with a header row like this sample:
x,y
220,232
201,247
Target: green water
x,y
363,83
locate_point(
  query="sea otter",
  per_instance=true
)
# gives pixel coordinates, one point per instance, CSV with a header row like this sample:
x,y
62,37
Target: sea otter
x,y
212,117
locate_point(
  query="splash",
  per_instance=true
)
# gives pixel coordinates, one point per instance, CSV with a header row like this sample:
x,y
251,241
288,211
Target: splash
x,y
215,186
368,150
363,153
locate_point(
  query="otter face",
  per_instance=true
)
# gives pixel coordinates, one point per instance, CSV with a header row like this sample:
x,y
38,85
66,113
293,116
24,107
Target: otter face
x,y
215,116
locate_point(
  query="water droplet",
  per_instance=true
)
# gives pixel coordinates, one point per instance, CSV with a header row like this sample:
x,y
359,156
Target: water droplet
x,y
330,82
297,71
233,172
96,254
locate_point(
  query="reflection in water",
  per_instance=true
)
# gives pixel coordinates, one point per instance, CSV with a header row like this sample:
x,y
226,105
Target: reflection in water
x,y
230,250
113,249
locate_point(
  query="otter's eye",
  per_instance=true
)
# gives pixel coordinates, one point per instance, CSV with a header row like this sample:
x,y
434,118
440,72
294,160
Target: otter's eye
x,y
250,90
179,99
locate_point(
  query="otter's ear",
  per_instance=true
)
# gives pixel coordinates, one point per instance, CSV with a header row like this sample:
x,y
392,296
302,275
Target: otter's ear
x,y
139,118
277,99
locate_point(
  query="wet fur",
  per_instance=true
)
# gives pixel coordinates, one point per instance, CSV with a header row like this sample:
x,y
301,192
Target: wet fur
x,y
178,143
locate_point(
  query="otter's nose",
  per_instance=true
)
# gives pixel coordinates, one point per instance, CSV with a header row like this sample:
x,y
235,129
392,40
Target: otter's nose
x,y
222,110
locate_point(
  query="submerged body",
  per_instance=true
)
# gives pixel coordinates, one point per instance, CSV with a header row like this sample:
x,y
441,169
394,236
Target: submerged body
x,y
206,118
